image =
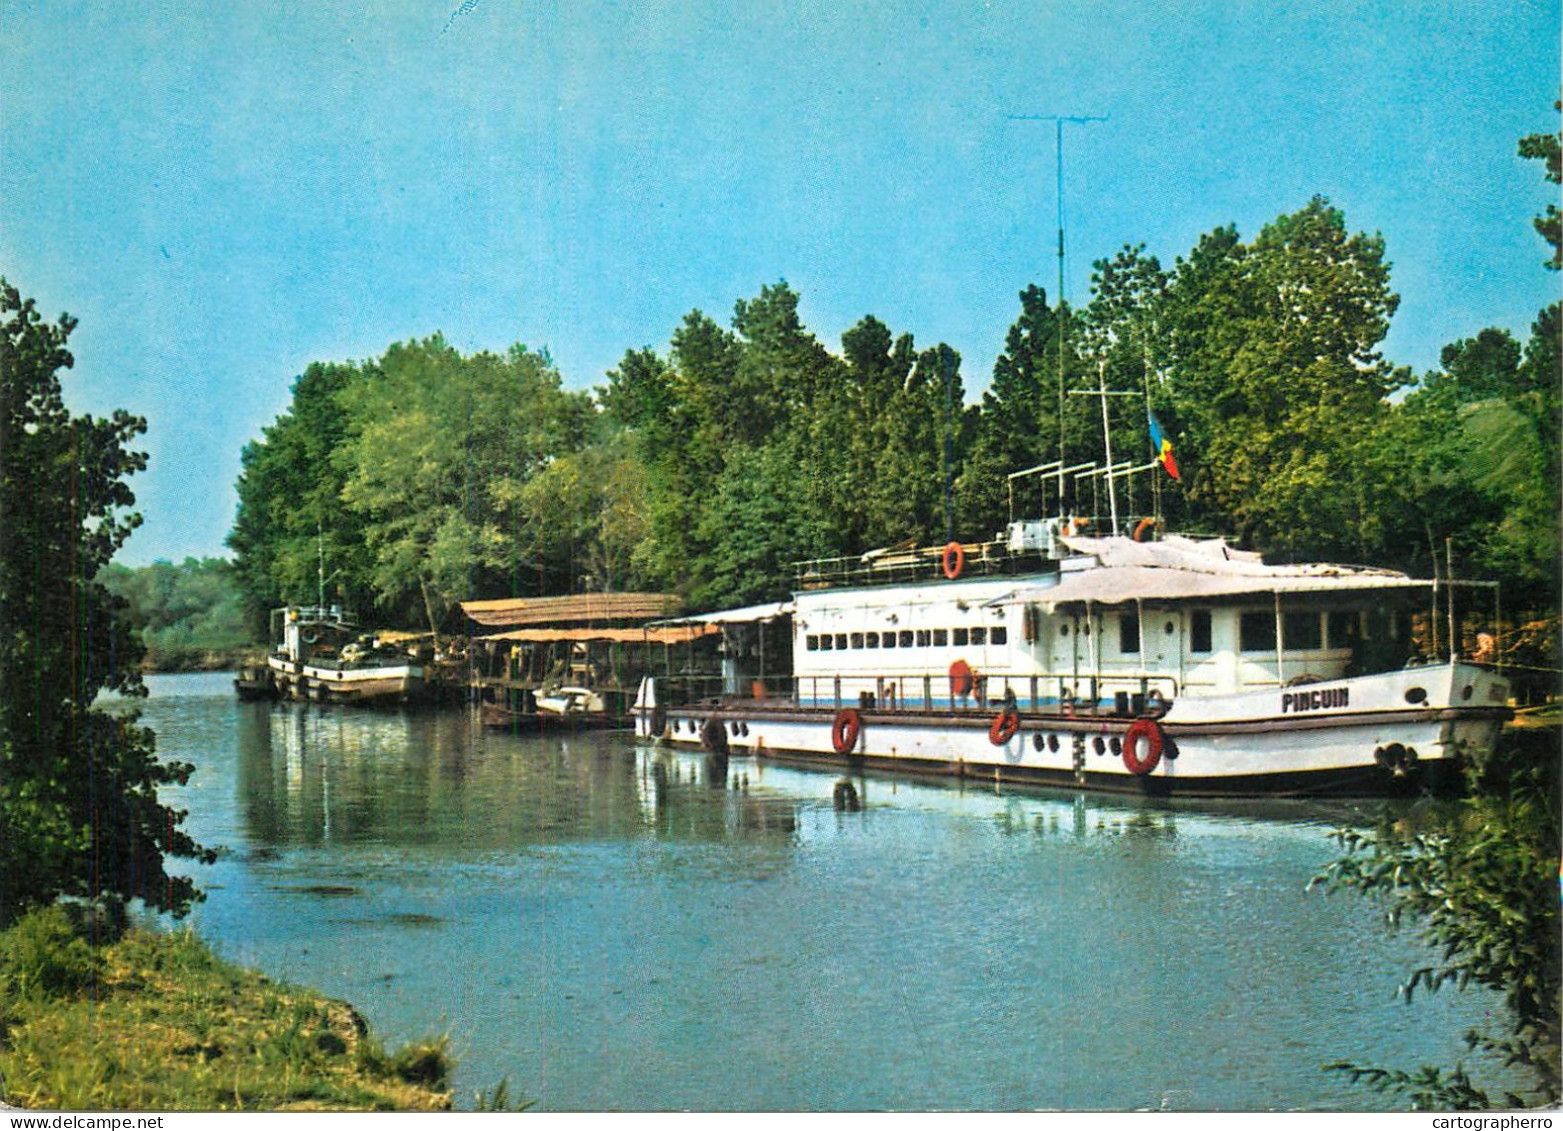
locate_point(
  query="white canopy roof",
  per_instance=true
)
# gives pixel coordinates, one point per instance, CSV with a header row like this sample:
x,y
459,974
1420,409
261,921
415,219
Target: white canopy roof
x,y
747,615
1182,569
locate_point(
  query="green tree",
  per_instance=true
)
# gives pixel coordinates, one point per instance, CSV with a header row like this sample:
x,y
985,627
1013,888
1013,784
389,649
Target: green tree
x,y
1524,543
643,406
1479,368
441,464
187,614
1018,425
759,522
1123,335
1479,883
79,810
1548,149
1278,383
294,538
890,426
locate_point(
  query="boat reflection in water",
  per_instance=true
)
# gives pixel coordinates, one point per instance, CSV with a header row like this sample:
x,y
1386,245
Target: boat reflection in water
x,y
313,777
317,777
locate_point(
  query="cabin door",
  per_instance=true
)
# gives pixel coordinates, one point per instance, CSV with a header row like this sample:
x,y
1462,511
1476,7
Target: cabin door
x,y
1162,634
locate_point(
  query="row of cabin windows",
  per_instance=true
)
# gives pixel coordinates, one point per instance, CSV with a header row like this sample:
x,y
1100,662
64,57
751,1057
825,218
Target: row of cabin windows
x,y
907,638
1129,632
1301,631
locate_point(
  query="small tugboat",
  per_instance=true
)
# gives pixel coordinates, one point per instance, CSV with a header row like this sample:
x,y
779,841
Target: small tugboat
x,y
1170,667
322,655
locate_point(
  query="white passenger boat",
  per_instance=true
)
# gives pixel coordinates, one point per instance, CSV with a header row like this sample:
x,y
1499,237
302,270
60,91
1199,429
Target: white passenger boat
x,y
320,654
1176,666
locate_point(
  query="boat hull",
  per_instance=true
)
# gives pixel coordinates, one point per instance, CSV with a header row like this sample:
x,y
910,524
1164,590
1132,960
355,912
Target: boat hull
x,y
388,685
497,716
254,683
1214,747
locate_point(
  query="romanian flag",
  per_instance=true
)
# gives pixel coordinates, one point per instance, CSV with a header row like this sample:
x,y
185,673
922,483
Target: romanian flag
x,y
1162,447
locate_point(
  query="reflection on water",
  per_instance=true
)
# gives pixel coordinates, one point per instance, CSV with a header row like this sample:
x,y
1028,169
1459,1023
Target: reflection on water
x,y
439,781
621,927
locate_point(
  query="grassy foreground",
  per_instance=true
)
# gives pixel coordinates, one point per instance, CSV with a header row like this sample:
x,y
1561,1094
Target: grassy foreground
x,y
155,1021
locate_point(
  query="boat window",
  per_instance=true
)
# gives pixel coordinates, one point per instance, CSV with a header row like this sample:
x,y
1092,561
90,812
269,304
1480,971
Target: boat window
x,y
826,642
1301,631
906,638
1063,629
922,637
1199,631
857,640
887,640
813,642
941,638
979,635
841,641
999,635
1129,633
960,637
1256,632
1345,631
871,640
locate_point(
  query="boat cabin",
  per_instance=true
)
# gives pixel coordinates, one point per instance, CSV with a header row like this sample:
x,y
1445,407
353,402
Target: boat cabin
x,y
1090,624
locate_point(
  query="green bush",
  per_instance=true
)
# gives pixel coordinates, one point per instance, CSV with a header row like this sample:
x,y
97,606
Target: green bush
x,y
43,955
1478,882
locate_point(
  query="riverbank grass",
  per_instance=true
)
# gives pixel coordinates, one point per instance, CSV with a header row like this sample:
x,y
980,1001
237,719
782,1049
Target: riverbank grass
x,y
154,1021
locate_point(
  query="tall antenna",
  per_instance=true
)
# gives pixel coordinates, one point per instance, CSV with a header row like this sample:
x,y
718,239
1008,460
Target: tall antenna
x,y
1059,121
949,508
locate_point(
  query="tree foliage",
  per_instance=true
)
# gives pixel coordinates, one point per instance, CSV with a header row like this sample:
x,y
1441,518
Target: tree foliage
x,y
294,538
1278,381
760,447
184,613
1479,884
445,460
79,809
709,466
1548,149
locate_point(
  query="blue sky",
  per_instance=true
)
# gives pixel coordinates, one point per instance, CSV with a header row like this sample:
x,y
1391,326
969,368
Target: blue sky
x,y
222,193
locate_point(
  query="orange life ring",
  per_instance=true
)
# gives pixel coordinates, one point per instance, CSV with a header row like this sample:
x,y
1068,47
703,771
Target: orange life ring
x,y
1004,727
1149,730
843,736
962,679
1140,528
954,560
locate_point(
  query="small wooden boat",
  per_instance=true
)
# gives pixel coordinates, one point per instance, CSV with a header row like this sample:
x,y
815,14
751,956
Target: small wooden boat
x,y
571,707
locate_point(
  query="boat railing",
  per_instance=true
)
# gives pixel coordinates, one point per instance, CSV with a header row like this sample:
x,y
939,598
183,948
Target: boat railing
x,y
311,614
1118,694
919,564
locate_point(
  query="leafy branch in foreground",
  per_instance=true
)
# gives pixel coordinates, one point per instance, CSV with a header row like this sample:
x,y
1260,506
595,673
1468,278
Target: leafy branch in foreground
x,y
1480,883
80,813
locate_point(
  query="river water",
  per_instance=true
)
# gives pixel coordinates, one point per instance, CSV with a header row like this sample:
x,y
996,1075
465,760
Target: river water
x,y
612,927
